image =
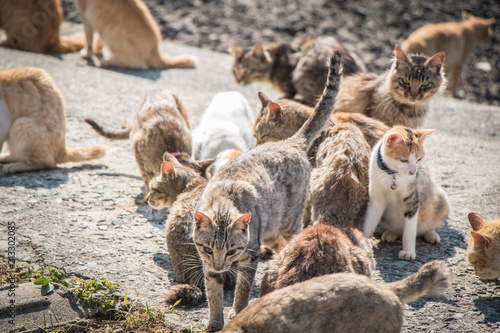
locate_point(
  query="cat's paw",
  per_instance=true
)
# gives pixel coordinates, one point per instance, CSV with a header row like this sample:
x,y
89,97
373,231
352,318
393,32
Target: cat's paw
x,y
389,236
214,326
432,237
406,255
85,53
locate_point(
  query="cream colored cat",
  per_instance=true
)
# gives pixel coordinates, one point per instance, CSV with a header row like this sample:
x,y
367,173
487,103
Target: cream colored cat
x,y
33,123
456,39
130,33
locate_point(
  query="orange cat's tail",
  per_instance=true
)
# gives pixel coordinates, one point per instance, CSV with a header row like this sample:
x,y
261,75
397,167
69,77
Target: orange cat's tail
x,y
162,61
82,154
432,279
110,134
67,44
185,294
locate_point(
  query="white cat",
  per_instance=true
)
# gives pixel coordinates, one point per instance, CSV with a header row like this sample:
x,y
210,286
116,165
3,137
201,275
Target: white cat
x,y
226,124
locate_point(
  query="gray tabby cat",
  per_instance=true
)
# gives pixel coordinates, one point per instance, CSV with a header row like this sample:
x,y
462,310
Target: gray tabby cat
x,y
398,97
340,303
161,125
338,190
257,197
292,68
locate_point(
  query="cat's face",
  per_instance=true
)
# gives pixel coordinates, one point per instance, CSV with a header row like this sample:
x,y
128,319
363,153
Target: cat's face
x,y
484,247
169,182
414,78
404,148
221,241
251,65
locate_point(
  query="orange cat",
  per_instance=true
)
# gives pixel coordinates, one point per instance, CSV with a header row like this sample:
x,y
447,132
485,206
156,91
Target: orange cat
x,y
484,247
34,26
129,31
456,39
33,123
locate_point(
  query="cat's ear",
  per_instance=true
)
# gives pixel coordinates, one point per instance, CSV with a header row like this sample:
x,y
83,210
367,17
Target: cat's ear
x,y
168,157
476,221
201,220
422,133
275,111
436,61
167,171
264,99
401,56
393,139
465,15
258,50
234,50
480,239
203,165
242,221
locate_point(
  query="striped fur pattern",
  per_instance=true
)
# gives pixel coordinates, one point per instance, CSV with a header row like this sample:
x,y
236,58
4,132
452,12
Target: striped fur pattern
x,y
319,250
484,247
400,96
256,198
417,206
294,69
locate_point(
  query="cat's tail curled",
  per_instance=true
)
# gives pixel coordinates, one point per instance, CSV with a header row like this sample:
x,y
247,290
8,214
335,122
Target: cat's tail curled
x,y
163,61
324,108
81,154
432,279
188,294
110,134
67,44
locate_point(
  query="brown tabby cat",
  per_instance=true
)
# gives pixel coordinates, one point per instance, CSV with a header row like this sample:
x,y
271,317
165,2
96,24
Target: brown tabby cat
x,y
33,123
403,195
201,167
338,189
484,247
160,126
279,120
457,39
34,26
398,97
296,68
266,185
129,31
339,303
319,250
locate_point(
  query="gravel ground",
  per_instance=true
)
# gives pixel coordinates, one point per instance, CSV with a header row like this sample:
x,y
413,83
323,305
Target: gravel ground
x,y
371,28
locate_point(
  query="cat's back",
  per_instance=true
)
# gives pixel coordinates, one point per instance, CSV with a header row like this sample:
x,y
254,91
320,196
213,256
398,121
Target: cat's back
x,y
161,107
357,92
231,106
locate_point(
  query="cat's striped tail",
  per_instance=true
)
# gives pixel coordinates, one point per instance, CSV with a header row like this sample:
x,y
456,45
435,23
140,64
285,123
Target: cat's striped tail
x,y
110,134
324,108
185,294
81,154
432,279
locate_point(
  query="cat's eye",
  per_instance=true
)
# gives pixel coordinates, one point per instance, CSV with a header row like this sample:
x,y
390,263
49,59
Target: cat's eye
x,y
419,159
425,84
405,81
208,250
403,160
230,252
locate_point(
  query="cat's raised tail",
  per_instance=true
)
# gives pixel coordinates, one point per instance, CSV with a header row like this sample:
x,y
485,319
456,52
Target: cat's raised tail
x,y
110,134
324,108
432,279
81,154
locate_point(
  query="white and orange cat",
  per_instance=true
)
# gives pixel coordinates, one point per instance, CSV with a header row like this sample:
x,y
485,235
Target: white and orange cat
x,y
456,39
34,26
484,247
129,34
403,195
33,123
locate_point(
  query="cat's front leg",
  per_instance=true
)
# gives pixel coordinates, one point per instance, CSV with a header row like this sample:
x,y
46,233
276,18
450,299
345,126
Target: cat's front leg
x,y
246,276
373,215
409,238
215,294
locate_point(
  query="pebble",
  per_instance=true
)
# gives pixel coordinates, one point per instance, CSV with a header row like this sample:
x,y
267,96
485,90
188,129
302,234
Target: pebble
x,y
103,227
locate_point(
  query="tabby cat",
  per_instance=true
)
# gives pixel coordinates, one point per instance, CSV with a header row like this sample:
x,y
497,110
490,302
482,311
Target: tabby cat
x,y
160,126
319,250
398,97
341,302
296,68
338,189
457,39
266,185
484,247
403,195
129,32
225,124
34,26
33,123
